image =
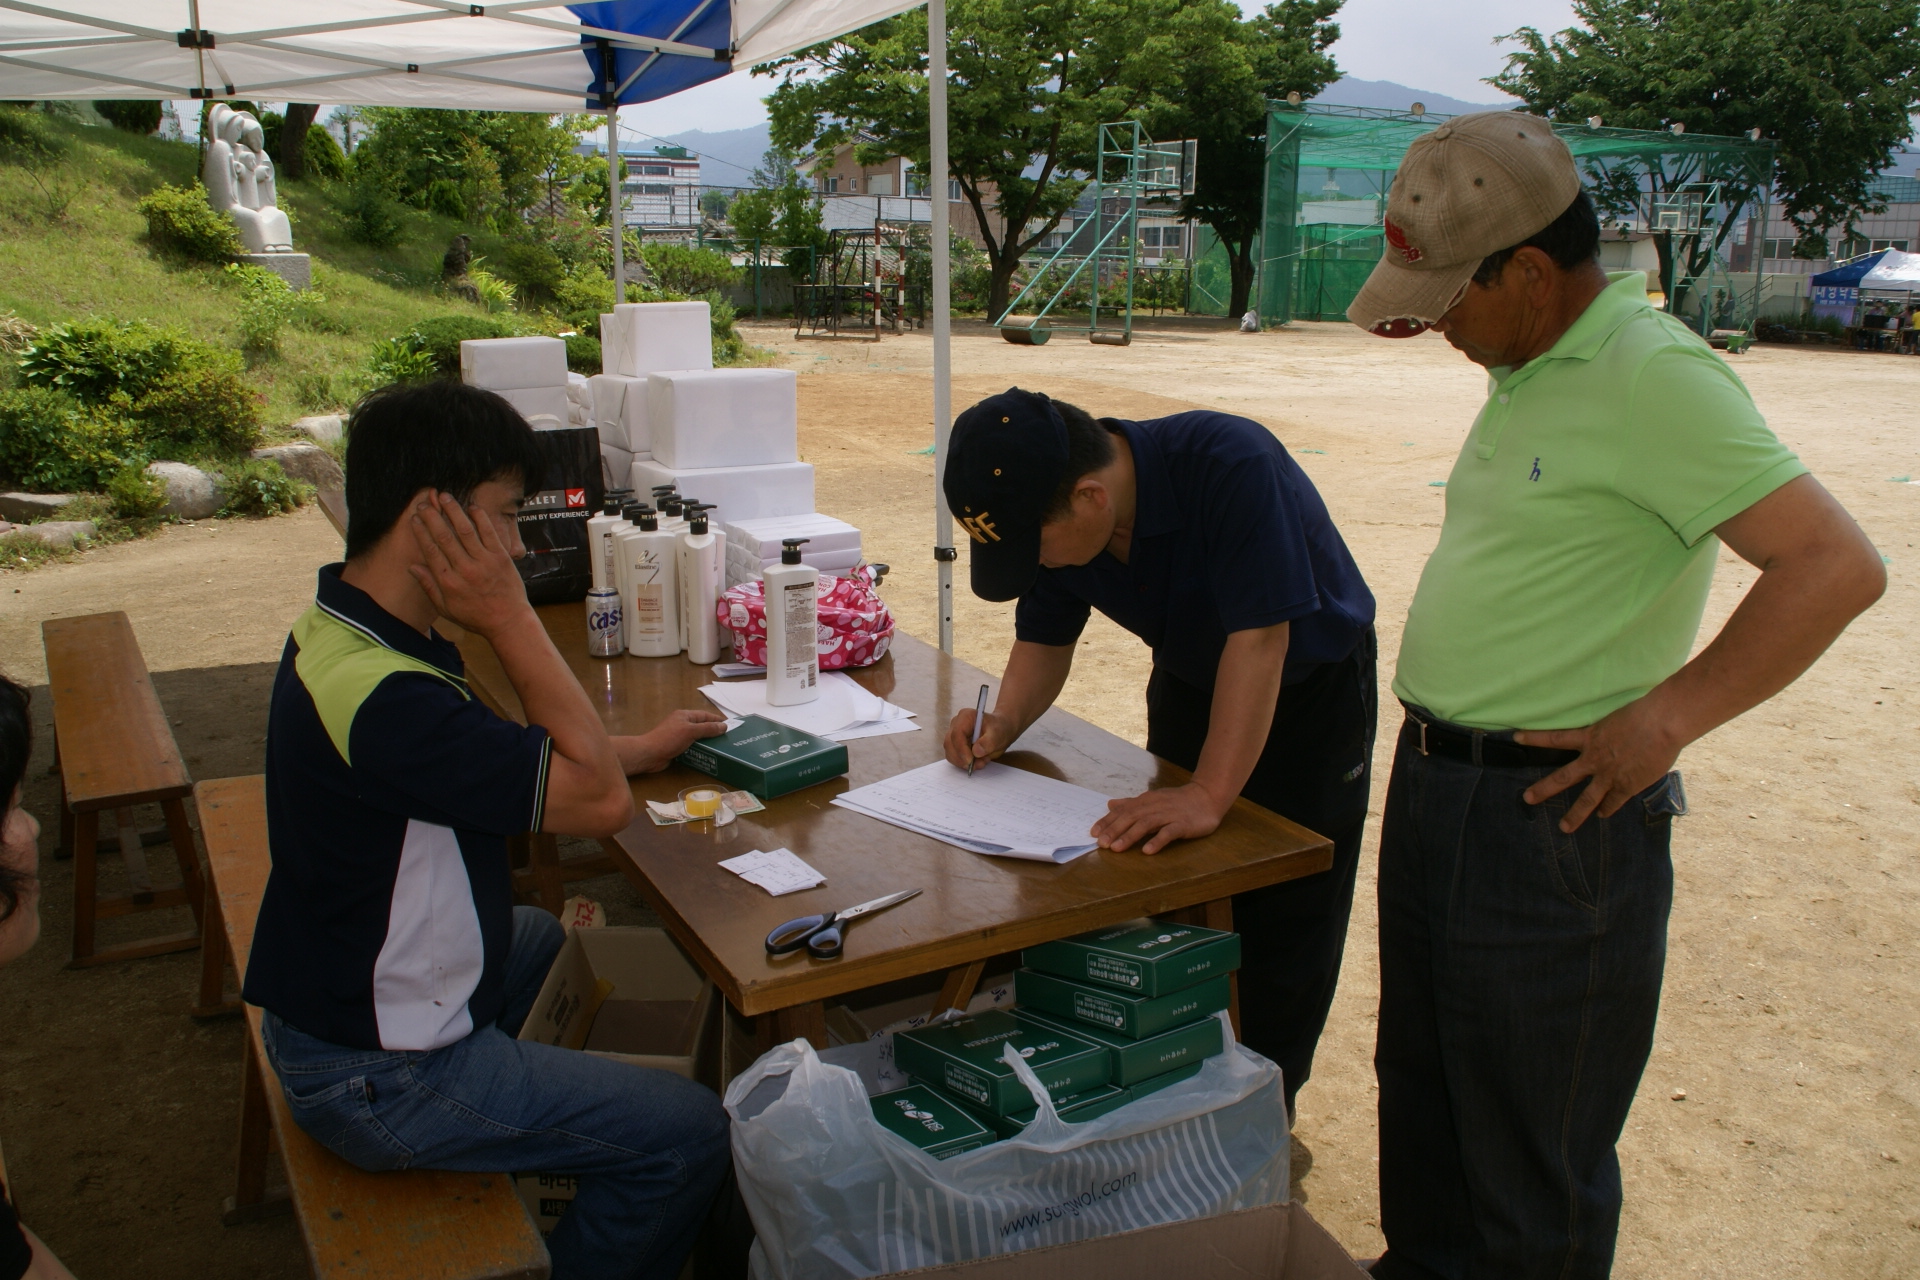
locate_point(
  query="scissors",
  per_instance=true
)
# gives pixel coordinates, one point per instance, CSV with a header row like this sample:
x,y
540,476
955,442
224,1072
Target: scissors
x,y
823,936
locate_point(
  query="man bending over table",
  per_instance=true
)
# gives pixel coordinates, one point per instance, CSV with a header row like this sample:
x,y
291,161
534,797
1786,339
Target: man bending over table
x,y
394,968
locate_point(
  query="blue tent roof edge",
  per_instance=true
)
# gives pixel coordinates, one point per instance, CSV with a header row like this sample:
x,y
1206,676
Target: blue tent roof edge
x,y
1851,273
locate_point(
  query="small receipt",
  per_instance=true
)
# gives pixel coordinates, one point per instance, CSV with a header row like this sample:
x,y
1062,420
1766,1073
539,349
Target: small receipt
x,y
778,871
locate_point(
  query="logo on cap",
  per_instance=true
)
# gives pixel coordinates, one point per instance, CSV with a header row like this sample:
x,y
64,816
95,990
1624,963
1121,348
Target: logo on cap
x,y
980,527
1398,239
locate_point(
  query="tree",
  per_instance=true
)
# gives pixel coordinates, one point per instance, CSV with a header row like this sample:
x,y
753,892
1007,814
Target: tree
x,y
780,210
492,167
1221,101
1832,81
1030,84
291,156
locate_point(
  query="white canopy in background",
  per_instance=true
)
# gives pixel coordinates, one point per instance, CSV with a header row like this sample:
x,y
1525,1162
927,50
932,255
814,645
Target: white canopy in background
x,y
519,55
1896,271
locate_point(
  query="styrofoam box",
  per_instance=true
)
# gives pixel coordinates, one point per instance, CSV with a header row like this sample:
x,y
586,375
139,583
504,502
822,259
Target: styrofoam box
x,y
609,348
502,364
618,464
724,417
761,538
737,493
652,336
834,564
551,401
620,411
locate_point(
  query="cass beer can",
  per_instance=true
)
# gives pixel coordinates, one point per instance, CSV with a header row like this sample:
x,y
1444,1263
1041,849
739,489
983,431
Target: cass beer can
x,y
604,636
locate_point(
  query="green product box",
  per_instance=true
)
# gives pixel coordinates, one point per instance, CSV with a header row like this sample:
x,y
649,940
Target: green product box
x,y
1153,1084
767,759
1135,1017
1145,957
963,1057
930,1121
1137,1060
1074,1110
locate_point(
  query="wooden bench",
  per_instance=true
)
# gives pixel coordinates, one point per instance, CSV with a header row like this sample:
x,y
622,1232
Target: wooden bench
x,y
113,750
418,1224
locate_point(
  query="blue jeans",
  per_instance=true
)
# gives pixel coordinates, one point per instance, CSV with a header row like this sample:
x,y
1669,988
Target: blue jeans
x,y
1519,979
650,1147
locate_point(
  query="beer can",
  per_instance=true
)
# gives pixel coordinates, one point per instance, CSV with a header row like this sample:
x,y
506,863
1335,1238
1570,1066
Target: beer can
x,y
605,637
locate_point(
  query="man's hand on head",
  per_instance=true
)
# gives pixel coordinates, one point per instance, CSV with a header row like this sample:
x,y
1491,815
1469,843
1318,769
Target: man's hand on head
x,y
465,568
1159,818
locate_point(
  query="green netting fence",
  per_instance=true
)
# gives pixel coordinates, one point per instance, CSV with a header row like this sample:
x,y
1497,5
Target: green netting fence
x,y
1688,192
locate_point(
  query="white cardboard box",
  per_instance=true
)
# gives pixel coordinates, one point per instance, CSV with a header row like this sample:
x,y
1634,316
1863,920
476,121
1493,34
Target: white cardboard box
x,y
761,538
648,337
616,464
548,402
502,364
724,417
737,493
620,411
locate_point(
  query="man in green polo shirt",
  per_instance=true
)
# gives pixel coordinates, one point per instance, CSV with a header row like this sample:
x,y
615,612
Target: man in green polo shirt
x,y
1524,871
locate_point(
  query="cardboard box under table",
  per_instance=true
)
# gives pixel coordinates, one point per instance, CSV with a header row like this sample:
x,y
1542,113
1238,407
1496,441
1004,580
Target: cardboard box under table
x,y
1272,1242
1145,957
631,995
1134,1059
964,1058
971,908
1130,1015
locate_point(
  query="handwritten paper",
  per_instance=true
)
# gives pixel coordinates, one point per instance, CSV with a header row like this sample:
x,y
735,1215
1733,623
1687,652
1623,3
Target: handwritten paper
x,y
778,871
1000,810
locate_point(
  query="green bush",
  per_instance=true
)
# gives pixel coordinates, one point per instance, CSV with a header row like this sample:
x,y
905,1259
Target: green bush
x,y
439,338
372,216
325,159
179,220
493,293
205,405
258,487
583,297
131,114
398,360
583,353
96,359
50,443
134,494
269,303
680,268
26,137
532,267
728,345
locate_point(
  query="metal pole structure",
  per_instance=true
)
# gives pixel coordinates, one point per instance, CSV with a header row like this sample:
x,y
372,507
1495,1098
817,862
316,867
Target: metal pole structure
x,y
616,199
943,551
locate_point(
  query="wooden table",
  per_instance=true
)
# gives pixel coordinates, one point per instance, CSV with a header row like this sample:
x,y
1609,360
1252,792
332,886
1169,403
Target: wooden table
x,y
972,907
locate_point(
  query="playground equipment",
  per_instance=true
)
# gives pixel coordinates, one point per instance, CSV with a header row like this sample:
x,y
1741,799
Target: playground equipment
x,y
1686,193
1094,268
860,285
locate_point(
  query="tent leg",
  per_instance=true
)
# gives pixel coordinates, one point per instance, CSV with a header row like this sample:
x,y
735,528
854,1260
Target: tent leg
x,y
616,200
937,178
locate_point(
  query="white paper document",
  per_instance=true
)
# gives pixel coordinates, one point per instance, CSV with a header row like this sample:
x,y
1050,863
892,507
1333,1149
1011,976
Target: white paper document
x,y
843,711
777,871
1000,810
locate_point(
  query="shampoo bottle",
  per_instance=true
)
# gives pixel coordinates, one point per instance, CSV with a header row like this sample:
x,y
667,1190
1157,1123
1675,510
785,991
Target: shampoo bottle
x,y
793,611
649,592
698,573
600,531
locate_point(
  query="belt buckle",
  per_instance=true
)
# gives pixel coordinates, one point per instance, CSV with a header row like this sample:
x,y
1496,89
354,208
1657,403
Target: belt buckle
x,y
1423,734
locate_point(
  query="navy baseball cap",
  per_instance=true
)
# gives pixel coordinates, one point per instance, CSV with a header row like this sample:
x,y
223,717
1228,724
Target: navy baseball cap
x,y
1005,460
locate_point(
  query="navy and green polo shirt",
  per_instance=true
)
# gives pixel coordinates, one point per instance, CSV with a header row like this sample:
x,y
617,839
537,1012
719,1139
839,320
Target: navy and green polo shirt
x,y
391,792
1229,535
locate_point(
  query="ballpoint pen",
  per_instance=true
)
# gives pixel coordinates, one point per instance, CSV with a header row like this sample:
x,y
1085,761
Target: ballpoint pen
x,y
979,719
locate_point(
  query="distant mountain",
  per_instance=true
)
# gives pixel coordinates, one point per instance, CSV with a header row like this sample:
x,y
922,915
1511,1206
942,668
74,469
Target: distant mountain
x,y
729,157
1350,91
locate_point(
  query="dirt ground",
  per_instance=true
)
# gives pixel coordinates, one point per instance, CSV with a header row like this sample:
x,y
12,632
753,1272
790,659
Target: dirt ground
x,y
1792,1151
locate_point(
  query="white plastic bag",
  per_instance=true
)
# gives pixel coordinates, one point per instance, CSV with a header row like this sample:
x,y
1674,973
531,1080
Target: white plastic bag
x,y
833,1194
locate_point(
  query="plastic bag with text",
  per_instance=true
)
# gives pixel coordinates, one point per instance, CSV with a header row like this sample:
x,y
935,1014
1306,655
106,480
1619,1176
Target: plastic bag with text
x,y
833,1194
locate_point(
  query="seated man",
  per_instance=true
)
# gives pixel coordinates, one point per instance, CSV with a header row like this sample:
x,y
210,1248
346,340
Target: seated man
x,y
392,964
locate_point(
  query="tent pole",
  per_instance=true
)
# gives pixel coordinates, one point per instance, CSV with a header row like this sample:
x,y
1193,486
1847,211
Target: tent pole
x,y
616,202
943,551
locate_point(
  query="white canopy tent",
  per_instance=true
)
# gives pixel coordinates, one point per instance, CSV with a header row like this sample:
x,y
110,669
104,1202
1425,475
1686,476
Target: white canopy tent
x,y
1896,272
521,55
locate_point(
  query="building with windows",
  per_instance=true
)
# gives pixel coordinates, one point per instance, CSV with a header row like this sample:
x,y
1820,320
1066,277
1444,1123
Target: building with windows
x,y
662,186
854,196
1897,227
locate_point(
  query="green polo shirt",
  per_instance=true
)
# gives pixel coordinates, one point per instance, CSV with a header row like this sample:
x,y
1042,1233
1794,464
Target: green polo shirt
x,y
1577,550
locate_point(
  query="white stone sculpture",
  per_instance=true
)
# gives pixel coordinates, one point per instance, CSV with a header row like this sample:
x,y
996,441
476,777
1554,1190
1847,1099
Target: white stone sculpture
x,y
239,178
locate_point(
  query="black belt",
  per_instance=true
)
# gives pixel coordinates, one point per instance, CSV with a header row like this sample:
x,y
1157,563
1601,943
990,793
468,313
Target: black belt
x,y
1435,737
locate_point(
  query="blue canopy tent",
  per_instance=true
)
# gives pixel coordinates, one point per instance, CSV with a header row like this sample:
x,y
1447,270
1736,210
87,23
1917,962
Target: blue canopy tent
x,y
1836,294
519,55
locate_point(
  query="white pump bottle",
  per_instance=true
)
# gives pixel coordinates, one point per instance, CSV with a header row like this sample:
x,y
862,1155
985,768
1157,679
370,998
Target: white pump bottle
x,y
699,594
793,622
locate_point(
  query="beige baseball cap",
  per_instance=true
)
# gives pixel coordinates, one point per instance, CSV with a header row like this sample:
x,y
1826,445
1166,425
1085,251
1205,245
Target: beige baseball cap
x,y
1475,185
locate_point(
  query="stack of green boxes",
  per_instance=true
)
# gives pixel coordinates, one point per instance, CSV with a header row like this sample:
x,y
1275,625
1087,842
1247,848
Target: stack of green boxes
x,y
1103,1018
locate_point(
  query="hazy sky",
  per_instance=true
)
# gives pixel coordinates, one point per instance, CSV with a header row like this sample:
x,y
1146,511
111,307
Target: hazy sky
x,y
1439,45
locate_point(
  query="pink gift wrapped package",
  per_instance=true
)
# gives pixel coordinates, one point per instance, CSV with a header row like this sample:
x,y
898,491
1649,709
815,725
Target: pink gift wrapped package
x,y
855,624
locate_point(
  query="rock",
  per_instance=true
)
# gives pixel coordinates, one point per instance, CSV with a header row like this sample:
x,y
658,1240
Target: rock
x,y
61,533
307,462
324,427
295,268
22,507
7,527
192,494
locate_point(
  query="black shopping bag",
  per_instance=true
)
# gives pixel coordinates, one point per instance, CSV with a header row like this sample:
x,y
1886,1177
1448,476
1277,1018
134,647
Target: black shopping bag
x,y
553,522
